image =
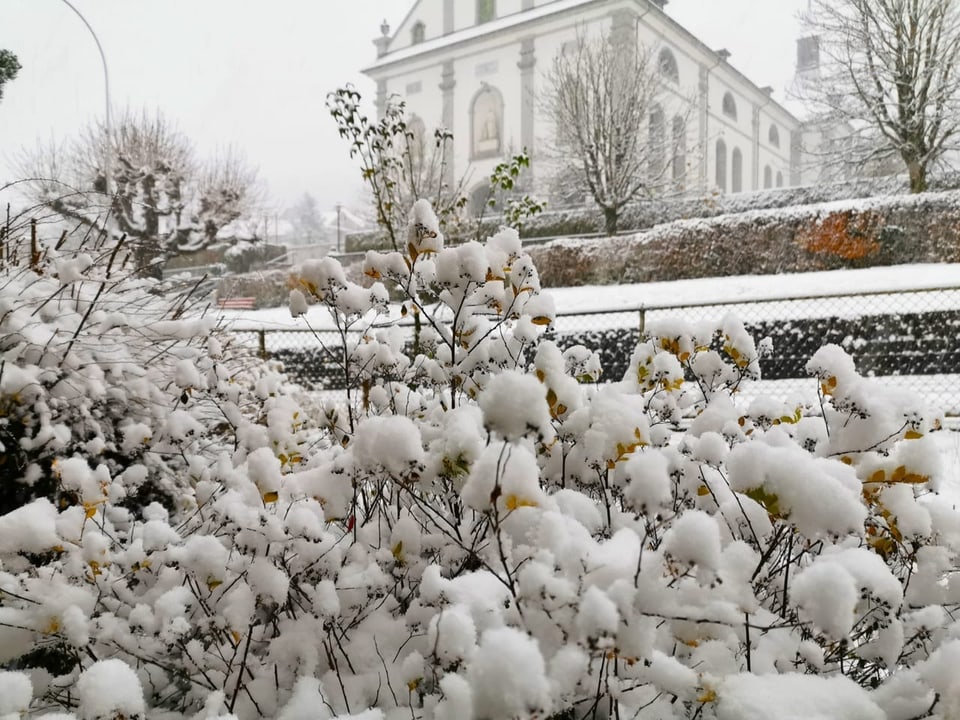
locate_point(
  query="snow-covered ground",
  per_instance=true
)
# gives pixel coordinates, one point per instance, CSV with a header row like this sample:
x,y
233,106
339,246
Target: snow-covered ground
x,y
696,292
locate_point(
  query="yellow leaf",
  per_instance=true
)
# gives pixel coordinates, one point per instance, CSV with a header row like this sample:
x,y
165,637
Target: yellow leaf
x,y
878,477
541,320
213,583
236,637
397,551
899,473
513,502
51,627
912,435
551,397
882,545
703,490
270,497
708,696
89,509
413,684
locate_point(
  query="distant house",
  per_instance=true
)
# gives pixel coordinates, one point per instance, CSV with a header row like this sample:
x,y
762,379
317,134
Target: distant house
x,y
476,67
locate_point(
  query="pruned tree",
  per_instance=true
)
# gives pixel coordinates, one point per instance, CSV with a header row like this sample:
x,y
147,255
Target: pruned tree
x,y
9,67
607,100
161,197
889,72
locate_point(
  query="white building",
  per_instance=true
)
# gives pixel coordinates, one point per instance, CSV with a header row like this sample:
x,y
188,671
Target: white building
x,y
476,66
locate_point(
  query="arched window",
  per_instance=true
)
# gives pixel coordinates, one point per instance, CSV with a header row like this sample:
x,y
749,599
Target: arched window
x,y
729,105
658,142
418,32
679,150
722,165
779,179
486,122
668,66
767,177
486,11
774,136
736,171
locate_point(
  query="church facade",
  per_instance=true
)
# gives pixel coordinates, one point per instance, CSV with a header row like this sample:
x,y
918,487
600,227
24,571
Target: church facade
x,y
477,67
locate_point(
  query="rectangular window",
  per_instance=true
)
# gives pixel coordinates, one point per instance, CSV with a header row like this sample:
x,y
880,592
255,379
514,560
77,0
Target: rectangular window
x,y
486,10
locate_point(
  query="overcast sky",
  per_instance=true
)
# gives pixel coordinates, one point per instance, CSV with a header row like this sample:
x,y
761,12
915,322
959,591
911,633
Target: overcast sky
x,y
254,73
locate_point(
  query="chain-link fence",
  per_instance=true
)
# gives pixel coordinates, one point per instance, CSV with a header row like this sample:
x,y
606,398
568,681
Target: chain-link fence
x,y
907,339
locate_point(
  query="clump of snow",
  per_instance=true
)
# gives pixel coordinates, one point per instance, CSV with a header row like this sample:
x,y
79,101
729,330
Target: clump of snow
x,y
31,528
514,405
423,231
694,539
508,676
392,443
794,696
16,691
109,688
306,702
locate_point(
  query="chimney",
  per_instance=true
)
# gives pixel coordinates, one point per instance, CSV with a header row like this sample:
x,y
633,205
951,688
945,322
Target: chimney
x,y
723,54
767,90
660,4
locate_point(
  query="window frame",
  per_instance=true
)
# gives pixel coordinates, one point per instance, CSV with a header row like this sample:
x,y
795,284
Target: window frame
x,y
667,65
418,33
773,136
729,105
486,11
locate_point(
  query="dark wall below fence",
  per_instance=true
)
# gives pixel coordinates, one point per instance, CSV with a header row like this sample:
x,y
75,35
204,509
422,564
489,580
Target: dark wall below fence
x,y
890,344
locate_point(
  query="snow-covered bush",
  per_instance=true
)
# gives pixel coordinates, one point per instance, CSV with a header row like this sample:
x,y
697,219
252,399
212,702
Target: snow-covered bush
x,y
489,528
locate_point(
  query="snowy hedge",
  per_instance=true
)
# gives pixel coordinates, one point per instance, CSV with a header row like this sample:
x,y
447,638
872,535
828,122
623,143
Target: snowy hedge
x,y
481,531
856,233
559,221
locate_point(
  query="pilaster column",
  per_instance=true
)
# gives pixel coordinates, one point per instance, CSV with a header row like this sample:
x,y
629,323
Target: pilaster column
x,y
447,17
381,100
703,112
447,84
526,65
795,157
755,165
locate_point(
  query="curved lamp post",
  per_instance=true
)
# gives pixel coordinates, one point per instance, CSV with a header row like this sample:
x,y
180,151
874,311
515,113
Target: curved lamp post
x,y
106,86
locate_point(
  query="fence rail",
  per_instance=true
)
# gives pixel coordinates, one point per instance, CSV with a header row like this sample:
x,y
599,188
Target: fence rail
x,y
908,339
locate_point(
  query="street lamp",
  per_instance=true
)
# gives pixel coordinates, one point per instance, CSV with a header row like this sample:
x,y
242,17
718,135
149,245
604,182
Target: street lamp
x,y
106,86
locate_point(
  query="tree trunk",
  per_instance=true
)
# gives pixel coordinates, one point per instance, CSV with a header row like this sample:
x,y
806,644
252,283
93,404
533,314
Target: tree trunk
x,y
918,176
610,219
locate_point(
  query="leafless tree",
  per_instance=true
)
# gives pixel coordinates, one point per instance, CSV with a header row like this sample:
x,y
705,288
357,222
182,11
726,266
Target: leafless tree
x,y
609,103
889,72
161,197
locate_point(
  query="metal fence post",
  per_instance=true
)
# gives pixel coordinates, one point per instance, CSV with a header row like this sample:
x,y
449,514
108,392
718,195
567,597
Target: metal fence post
x,y
262,341
643,320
